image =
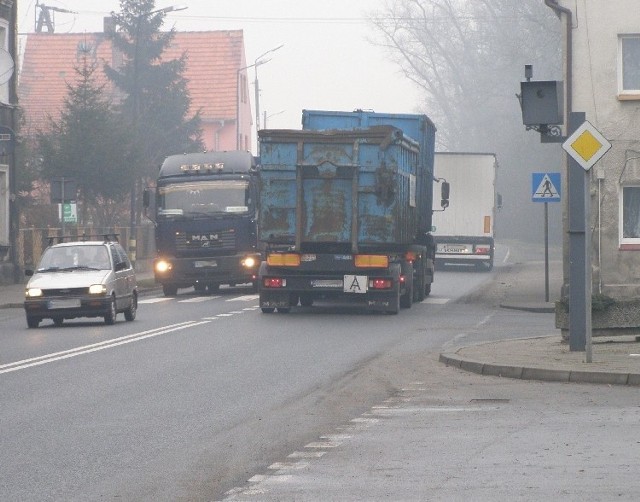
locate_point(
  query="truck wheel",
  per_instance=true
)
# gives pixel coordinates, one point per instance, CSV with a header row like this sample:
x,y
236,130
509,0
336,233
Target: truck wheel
x,y
284,310
169,290
200,288
58,321
427,290
406,300
268,310
213,288
306,300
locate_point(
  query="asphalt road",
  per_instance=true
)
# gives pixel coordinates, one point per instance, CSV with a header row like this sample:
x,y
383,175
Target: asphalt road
x,y
200,392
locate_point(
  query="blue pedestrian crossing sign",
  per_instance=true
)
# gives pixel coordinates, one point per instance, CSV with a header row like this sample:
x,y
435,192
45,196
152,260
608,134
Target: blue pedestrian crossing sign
x,y
545,187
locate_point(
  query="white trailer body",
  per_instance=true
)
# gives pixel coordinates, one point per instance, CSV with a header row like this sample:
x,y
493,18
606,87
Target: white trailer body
x,y
464,233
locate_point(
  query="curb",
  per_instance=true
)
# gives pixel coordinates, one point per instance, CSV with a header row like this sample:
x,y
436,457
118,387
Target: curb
x,y
540,308
541,374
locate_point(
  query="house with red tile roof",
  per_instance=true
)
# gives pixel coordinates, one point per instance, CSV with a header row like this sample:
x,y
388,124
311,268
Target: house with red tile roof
x,y
217,83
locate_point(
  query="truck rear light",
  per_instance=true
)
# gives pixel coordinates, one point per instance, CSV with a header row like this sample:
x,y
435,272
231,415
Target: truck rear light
x,y
274,282
371,261
411,256
380,283
283,259
483,250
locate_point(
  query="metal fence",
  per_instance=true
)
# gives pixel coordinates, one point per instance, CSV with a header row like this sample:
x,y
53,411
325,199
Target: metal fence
x,y
32,242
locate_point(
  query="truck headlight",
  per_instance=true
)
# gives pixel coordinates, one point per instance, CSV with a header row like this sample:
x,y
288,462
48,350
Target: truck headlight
x,y
163,266
249,262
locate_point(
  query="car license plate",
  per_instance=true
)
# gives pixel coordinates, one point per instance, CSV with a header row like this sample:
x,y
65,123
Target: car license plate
x,y
356,283
326,283
452,248
64,304
207,263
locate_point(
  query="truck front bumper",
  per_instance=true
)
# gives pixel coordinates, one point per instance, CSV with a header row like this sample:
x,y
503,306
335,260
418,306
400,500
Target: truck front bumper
x,y
185,272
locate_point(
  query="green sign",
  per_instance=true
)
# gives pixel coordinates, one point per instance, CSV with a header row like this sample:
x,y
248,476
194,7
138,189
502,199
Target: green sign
x,y
69,212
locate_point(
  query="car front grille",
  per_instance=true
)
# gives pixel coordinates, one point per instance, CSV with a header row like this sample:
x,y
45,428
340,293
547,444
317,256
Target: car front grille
x,y
65,292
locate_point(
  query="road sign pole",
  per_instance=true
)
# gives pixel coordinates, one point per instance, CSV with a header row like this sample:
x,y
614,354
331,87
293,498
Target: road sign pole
x,y
62,206
546,251
579,251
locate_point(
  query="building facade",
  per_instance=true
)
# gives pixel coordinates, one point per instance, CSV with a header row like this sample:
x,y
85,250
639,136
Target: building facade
x,y
8,103
602,78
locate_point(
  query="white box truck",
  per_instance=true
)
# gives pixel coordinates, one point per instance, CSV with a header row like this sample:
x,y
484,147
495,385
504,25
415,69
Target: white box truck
x,y
464,233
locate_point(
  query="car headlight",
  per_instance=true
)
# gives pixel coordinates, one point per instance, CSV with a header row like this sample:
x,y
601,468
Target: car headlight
x,y
163,266
97,289
249,262
33,292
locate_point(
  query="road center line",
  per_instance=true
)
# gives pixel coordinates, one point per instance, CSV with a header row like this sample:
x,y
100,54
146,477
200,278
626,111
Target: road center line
x,y
87,349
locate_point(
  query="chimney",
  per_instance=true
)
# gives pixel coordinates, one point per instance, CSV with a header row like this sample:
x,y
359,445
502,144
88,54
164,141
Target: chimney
x,y
109,25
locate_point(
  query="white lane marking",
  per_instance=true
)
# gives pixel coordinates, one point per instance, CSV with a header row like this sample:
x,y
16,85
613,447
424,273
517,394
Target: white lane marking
x,y
198,299
87,349
244,298
484,321
210,318
154,300
436,301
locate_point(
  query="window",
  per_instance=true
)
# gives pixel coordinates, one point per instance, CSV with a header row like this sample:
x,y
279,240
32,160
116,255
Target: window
x,y
7,67
630,217
629,65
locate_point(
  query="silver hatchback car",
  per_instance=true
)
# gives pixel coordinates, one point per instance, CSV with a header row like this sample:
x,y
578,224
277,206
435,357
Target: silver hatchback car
x,y
92,278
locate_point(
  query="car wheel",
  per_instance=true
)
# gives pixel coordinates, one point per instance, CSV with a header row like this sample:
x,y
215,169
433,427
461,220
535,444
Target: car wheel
x,y
110,316
130,313
33,322
169,290
58,321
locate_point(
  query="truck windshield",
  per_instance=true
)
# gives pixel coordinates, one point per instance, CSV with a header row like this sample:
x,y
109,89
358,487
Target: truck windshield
x,y
204,197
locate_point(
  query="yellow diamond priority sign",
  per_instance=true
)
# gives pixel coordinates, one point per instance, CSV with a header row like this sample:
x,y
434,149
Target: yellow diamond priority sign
x,y
586,145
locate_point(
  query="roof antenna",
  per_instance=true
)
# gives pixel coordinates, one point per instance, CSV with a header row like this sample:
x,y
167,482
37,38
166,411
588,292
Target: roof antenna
x,y
45,16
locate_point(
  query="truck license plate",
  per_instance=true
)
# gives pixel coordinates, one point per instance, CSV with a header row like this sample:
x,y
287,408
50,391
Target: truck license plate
x,y
356,283
452,248
326,283
208,263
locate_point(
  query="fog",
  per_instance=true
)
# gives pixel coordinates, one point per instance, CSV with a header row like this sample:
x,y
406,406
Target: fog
x,y
328,61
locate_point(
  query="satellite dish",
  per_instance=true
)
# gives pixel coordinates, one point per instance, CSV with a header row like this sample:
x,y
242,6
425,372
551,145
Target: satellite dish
x,y
6,66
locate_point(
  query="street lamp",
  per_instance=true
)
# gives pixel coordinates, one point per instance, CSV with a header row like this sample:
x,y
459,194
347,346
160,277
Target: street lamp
x,y
136,117
257,86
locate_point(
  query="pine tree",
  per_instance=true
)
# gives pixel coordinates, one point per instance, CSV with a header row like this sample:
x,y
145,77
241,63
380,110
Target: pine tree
x,y
86,144
157,101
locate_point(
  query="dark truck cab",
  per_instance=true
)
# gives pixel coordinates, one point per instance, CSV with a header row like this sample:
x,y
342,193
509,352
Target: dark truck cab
x,y
205,221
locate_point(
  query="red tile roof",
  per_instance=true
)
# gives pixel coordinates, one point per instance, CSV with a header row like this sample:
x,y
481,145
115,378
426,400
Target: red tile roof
x,y
213,58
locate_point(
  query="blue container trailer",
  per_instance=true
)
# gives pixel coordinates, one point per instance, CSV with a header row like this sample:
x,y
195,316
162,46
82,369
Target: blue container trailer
x,y
345,211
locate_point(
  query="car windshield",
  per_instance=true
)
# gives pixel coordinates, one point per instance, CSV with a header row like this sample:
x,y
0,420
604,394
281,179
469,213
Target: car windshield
x,y
75,257
204,197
